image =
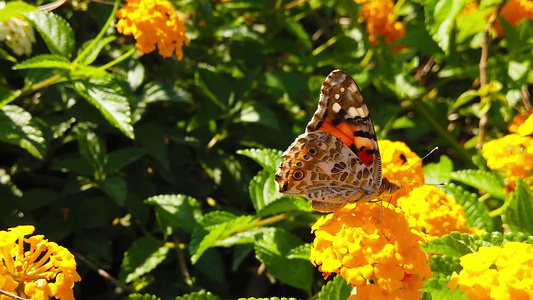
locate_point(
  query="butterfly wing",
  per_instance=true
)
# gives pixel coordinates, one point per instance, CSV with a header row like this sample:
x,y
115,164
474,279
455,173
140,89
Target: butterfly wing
x,y
337,159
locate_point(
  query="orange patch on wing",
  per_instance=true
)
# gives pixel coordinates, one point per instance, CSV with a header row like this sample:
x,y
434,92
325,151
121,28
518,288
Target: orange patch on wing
x,y
343,131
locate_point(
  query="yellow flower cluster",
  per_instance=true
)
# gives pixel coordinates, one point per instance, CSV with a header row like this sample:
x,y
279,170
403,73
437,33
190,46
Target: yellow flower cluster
x,y
379,18
382,258
35,268
513,153
435,212
153,22
522,124
513,12
496,273
396,159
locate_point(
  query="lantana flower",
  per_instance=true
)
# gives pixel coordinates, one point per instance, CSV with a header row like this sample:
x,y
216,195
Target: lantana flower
x,y
153,22
373,247
522,124
32,267
17,33
512,154
396,159
435,212
379,18
496,273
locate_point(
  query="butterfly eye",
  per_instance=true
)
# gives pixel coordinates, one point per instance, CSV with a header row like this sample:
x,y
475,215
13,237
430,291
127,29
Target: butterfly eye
x,y
299,164
298,175
312,151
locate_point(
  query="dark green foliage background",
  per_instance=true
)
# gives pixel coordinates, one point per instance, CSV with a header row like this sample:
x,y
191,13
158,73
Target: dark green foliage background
x,y
161,177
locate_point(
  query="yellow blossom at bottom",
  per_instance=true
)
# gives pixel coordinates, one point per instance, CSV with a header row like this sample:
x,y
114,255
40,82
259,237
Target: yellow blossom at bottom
x,y
436,213
379,257
35,268
496,273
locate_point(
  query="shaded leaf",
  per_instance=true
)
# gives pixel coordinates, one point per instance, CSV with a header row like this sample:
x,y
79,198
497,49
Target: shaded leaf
x,y
155,91
518,214
142,297
93,150
116,188
176,211
443,266
7,95
121,158
17,128
259,114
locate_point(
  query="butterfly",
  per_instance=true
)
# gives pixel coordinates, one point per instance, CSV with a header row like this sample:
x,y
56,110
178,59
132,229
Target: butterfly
x,y
336,161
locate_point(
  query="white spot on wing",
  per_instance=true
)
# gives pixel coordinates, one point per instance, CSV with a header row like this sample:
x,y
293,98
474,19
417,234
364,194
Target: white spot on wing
x,y
337,96
336,107
342,89
352,112
362,111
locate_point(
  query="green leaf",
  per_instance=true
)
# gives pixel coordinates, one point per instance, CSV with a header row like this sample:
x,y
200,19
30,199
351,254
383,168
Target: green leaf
x,y
44,61
336,289
497,238
272,249
464,98
300,252
285,204
116,188
152,138
476,212
298,30
18,128
144,255
93,150
155,91
259,114
176,211
485,181
109,99
142,297
4,55
438,290
55,31
440,20
263,190
454,244
518,214
436,173
443,266
123,157
224,234
15,9
202,295
90,56
7,95
267,158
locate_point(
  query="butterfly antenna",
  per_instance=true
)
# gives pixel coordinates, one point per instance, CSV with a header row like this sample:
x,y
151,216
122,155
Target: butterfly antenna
x,y
416,163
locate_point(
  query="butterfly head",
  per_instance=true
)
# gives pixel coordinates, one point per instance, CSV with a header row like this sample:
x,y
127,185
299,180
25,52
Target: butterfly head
x,y
389,188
